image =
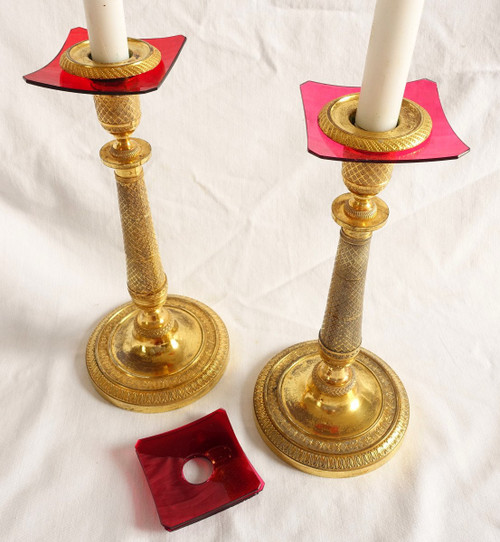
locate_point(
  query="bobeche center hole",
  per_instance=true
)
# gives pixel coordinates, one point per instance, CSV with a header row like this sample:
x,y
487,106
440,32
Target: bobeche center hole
x,y
197,470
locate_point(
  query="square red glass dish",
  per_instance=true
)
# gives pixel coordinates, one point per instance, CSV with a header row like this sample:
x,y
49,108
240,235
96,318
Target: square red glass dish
x,y
179,502
53,76
442,144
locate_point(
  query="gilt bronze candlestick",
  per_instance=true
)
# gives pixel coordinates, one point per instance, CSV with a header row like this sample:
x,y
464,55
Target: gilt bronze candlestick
x,y
157,352
329,407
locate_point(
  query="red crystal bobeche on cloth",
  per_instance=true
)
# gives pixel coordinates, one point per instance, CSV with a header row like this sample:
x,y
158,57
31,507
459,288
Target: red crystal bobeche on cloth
x,y
179,502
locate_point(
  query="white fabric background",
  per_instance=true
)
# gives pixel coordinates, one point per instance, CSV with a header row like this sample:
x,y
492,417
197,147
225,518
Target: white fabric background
x,y
242,213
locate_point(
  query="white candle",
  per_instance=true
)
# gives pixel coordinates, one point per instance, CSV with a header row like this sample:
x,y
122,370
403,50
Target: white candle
x,y
392,40
107,32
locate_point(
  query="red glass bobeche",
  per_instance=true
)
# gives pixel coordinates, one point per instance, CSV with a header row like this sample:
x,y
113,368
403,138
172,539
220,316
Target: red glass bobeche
x,y
179,502
53,76
442,144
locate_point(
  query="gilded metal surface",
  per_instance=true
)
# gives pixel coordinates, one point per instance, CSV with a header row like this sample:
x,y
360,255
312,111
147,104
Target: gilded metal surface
x,y
152,376
330,436
146,279
366,178
341,329
340,334
77,60
330,407
156,353
119,115
360,212
336,120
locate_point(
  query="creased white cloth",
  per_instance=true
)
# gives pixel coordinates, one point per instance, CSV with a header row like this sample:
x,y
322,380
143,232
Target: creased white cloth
x,y
242,216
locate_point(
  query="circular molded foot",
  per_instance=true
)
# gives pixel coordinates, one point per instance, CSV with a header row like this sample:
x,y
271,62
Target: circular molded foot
x,y
325,435
158,375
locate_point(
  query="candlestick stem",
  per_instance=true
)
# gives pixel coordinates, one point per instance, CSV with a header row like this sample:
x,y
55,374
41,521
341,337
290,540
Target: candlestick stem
x,y
146,280
340,335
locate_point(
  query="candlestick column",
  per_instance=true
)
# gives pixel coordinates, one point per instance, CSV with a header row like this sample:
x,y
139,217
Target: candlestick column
x,y
146,280
340,335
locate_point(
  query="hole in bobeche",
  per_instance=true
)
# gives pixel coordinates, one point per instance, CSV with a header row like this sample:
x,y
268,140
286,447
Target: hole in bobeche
x,y
130,55
197,470
352,119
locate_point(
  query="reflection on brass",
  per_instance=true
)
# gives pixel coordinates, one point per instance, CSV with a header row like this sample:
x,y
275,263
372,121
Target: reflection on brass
x,y
156,353
336,120
77,60
325,434
329,407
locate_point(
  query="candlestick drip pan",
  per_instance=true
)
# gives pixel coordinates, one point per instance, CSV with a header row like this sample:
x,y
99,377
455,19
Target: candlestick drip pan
x,y
163,457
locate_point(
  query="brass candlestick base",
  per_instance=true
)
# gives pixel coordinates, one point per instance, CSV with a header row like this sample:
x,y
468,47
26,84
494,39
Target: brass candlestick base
x,y
148,375
332,436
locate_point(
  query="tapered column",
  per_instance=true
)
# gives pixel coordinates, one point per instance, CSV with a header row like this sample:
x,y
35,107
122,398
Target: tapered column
x,y
340,335
146,280
359,213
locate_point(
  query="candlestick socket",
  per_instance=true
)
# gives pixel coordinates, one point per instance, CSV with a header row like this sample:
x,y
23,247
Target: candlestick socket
x,y
77,60
336,120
